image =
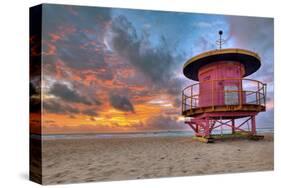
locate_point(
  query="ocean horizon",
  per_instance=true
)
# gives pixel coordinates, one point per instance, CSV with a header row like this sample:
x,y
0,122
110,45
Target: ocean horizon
x,y
110,135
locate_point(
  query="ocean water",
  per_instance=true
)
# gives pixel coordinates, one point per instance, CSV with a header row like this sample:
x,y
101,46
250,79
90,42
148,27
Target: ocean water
x,y
136,134
115,135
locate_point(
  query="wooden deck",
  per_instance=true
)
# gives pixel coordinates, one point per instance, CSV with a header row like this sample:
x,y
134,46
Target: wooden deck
x,y
225,108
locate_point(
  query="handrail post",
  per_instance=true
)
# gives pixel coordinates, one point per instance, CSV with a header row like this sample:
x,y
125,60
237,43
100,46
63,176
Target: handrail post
x,y
191,96
259,97
256,97
182,102
265,88
240,92
212,94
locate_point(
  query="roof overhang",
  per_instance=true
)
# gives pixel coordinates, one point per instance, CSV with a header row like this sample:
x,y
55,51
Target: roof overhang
x,y
250,60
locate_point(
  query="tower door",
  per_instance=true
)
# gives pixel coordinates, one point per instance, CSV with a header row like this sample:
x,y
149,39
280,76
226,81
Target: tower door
x,y
231,95
205,98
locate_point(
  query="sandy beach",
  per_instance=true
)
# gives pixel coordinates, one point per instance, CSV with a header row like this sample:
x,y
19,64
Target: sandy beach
x,y
69,161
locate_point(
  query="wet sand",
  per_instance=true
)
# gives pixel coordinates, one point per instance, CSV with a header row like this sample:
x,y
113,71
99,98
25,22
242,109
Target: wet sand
x,y
70,161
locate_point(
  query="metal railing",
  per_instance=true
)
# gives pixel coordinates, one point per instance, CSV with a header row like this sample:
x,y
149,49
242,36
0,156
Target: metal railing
x,y
224,92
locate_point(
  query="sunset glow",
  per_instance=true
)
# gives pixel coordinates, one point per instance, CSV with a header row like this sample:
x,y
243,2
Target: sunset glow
x,y
112,70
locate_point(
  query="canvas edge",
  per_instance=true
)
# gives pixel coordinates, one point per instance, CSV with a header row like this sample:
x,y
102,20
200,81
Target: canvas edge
x,y
35,67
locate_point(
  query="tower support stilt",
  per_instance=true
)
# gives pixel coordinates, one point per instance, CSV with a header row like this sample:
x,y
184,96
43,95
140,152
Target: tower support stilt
x,y
233,126
253,123
205,127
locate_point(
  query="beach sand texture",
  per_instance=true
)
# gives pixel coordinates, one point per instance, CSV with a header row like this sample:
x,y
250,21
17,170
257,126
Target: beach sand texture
x,y
70,161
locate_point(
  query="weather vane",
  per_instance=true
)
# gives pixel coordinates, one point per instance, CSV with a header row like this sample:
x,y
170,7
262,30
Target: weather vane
x,y
220,41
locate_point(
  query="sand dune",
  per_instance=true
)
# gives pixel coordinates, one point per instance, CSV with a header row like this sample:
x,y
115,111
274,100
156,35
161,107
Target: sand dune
x,y
69,161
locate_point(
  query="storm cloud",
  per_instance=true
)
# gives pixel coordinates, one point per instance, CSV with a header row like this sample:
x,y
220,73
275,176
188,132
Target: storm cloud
x,y
65,93
90,112
76,37
121,103
157,63
55,107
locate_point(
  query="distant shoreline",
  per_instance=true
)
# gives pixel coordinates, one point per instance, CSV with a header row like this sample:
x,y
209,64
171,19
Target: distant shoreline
x,y
112,135
259,130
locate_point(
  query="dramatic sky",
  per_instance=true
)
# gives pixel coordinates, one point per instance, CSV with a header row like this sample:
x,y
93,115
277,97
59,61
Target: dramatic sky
x,y
107,70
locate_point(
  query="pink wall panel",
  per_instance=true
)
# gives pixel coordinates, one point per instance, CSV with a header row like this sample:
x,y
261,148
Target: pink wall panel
x,y
213,83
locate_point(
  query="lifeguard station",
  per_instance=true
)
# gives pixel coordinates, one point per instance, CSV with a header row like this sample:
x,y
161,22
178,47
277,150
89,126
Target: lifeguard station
x,y
223,97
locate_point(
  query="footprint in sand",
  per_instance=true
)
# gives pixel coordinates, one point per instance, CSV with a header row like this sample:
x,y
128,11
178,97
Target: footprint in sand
x,y
133,170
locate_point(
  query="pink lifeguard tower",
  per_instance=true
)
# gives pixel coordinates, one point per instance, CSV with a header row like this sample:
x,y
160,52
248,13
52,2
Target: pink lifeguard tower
x,y
223,97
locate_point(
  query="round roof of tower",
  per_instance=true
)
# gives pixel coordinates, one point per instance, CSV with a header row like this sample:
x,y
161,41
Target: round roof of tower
x,y
250,60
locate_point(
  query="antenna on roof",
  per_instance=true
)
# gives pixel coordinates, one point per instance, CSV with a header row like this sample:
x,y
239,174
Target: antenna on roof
x,y
220,41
